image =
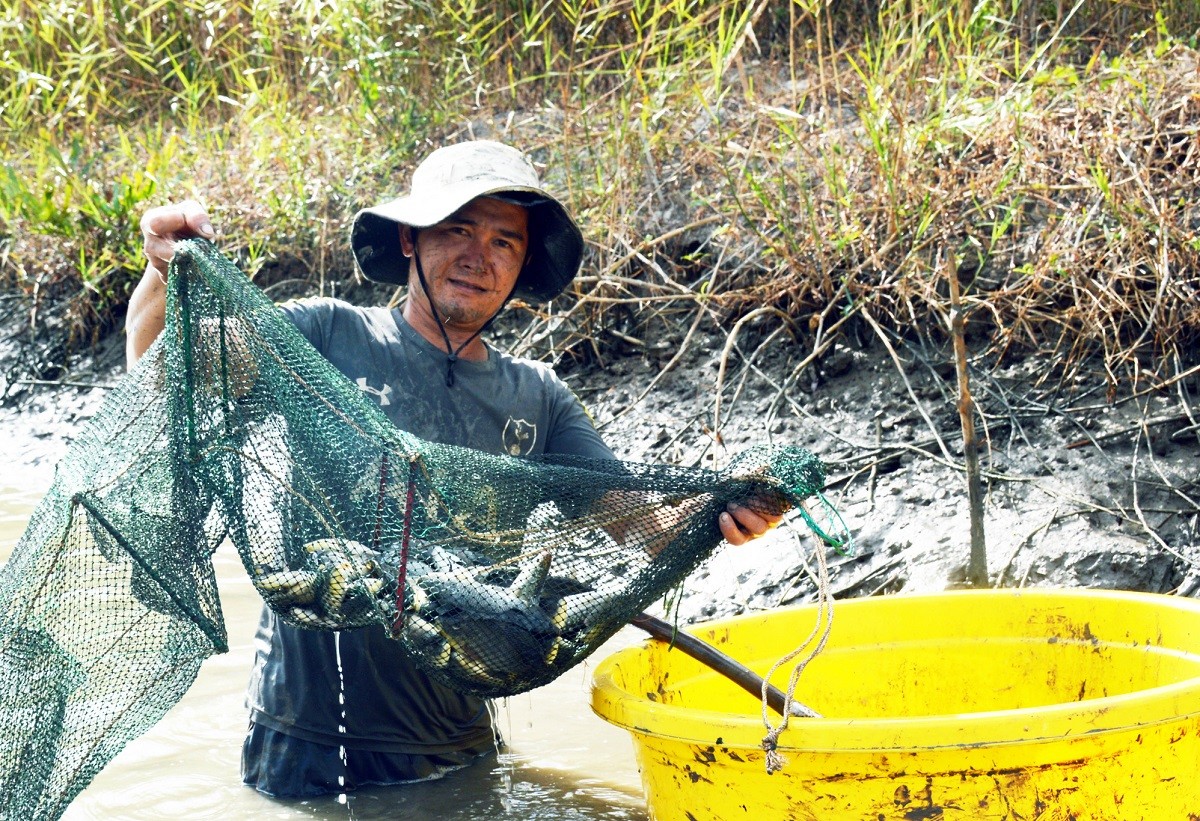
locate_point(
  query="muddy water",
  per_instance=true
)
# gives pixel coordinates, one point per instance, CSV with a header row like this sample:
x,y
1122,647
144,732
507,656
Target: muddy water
x,y
562,762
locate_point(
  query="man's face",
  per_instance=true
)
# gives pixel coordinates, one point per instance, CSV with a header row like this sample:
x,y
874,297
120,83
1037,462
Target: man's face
x,y
471,261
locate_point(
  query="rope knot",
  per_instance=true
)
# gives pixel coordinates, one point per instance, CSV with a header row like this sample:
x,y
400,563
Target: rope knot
x,y
770,745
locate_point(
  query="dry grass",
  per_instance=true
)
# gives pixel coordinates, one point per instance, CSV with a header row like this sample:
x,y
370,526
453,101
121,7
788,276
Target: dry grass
x,y
723,157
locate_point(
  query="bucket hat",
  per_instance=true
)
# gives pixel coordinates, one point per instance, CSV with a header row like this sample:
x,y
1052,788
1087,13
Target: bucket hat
x,y
444,182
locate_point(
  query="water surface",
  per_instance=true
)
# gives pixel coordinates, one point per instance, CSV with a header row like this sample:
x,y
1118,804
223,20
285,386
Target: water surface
x,y
563,763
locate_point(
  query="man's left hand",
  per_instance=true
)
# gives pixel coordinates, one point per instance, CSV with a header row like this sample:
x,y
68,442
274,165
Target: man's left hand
x,y
739,523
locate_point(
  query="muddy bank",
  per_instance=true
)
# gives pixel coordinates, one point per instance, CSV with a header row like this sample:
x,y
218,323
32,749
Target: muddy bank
x,y
1081,489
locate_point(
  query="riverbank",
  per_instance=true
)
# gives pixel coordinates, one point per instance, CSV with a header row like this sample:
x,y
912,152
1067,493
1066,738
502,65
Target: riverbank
x,y
772,215
1082,489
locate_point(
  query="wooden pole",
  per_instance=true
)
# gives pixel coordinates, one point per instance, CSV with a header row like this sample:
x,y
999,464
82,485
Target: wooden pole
x,y
977,572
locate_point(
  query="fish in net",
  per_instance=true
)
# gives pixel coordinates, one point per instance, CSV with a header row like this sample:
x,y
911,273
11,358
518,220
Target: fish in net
x,y
497,573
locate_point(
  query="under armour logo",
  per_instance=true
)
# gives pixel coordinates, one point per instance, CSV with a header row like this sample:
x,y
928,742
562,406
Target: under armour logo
x,y
384,395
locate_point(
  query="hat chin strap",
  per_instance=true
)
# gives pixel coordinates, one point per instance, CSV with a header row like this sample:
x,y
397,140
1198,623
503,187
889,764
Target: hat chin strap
x,y
451,352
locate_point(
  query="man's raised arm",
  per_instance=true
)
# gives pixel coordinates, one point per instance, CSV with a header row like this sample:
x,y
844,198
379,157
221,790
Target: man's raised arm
x,y
162,227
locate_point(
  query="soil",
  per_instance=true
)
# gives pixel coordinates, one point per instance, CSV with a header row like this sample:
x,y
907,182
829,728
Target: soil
x,y
1080,489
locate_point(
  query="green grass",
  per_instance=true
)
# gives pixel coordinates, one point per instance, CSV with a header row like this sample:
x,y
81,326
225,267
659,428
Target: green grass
x,y
823,155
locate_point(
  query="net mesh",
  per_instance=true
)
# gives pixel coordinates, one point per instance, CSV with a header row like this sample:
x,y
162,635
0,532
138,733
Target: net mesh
x,y
496,573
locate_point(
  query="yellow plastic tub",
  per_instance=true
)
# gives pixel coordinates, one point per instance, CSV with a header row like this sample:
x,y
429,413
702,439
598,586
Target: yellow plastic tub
x,y
1033,704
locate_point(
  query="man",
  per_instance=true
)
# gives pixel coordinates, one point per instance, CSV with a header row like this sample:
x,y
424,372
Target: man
x,y
331,712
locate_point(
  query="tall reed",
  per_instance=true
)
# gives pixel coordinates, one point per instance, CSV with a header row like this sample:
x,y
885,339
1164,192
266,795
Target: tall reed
x,y
811,156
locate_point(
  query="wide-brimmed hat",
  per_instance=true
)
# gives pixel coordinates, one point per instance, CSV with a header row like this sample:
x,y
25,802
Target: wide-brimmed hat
x,y
447,180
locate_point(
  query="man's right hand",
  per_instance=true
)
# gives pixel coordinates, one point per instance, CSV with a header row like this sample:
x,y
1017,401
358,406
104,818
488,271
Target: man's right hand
x,y
162,227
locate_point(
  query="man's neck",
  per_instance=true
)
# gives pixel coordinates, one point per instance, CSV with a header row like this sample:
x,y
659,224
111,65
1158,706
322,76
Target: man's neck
x,y
422,321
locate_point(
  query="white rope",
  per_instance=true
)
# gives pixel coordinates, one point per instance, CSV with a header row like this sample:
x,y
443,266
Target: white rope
x,y
775,761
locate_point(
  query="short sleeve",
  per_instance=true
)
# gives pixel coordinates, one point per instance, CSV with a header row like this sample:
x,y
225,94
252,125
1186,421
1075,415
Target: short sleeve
x,y
313,317
572,431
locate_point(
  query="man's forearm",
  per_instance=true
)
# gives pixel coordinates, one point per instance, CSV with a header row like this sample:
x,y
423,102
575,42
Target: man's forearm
x,y
648,522
146,316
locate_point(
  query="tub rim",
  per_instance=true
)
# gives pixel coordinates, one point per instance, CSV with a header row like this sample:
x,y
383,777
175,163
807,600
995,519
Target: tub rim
x,y
1129,712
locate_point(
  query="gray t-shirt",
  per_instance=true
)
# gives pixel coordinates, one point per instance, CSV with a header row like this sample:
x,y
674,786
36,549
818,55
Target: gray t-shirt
x,y
502,405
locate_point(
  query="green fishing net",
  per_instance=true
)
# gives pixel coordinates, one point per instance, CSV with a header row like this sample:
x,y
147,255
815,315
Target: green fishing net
x,y
496,573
